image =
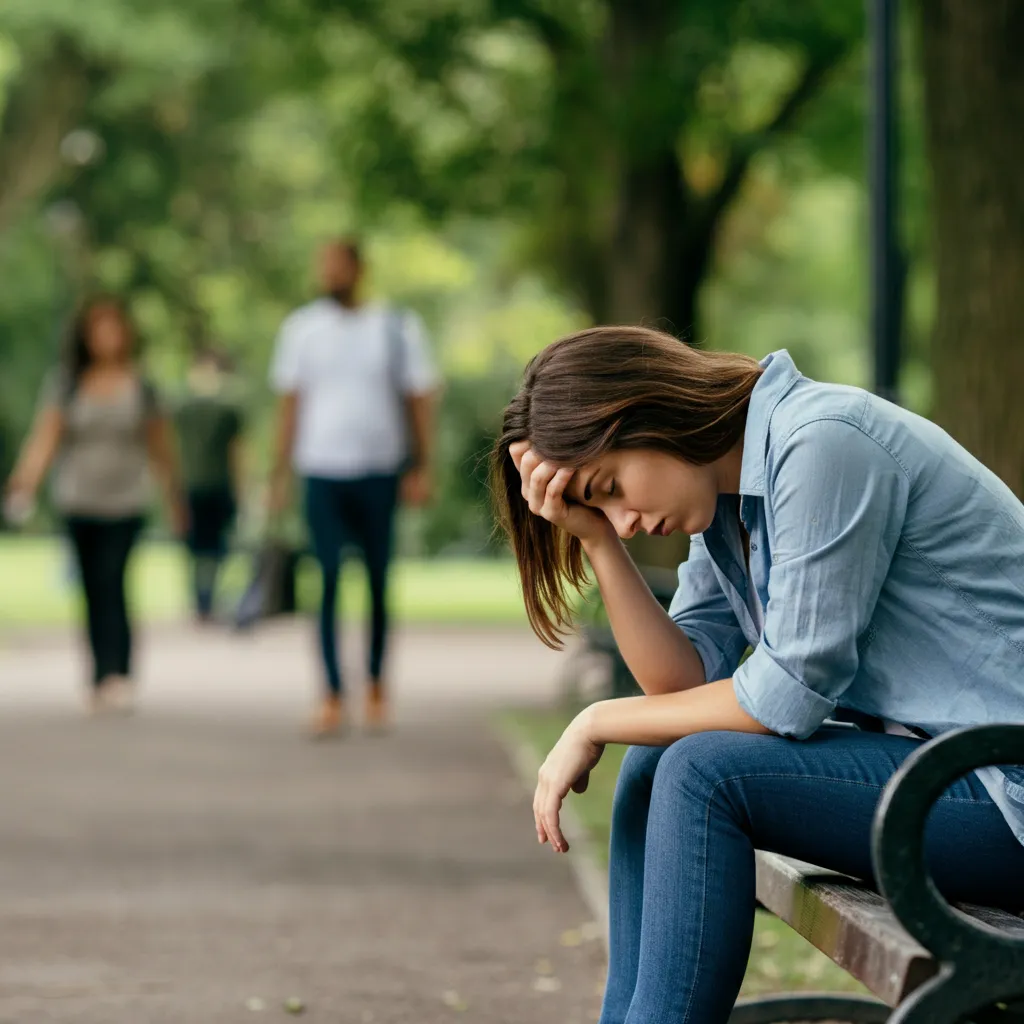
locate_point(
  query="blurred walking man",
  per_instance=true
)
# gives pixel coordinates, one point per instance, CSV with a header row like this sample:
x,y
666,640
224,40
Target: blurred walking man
x,y
356,388
209,423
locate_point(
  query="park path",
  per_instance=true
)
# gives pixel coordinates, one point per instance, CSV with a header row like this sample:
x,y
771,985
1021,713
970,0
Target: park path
x,y
202,862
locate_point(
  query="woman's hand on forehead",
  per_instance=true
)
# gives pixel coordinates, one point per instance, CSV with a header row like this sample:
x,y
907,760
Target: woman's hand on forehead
x,y
517,450
544,490
520,450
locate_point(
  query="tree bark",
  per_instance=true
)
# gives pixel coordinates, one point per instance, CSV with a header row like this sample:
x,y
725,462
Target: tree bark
x,y
974,80
643,267
649,200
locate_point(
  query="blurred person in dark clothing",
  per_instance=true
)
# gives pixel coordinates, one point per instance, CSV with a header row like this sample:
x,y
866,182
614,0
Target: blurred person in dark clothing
x,y
356,386
102,427
209,424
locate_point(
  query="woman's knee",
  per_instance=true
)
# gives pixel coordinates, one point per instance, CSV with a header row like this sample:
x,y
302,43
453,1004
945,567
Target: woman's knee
x,y
639,765
632,801
701,765
636,777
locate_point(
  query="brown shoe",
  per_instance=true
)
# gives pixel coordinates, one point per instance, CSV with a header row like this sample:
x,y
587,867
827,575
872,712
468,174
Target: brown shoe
x,y
112,694
329,719
119,695
377,717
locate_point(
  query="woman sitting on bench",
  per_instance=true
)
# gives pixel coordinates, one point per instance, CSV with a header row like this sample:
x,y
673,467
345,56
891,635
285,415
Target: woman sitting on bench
x,y
875,568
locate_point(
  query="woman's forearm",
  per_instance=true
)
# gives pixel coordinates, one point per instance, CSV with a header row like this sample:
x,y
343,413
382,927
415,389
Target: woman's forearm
x,y
662,719
164,460
658,653
38,452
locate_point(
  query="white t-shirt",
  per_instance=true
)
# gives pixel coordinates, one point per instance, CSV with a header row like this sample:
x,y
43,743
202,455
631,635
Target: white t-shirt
x,y
350,376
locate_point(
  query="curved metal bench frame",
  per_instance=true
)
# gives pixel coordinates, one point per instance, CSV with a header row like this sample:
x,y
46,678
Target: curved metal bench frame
x,y
981,968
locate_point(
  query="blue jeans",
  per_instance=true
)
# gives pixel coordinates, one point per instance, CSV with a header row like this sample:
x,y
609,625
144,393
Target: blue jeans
x,y
359,512
687,819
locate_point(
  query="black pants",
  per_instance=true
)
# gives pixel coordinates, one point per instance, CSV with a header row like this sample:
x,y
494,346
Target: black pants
x,y
211,511
102,547
358,512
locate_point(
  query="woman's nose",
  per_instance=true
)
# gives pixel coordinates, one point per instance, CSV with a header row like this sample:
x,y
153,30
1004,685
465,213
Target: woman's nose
x,y
625,521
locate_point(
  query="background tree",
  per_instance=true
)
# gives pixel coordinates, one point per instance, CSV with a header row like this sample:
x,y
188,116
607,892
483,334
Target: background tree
x,y
625,129
975,106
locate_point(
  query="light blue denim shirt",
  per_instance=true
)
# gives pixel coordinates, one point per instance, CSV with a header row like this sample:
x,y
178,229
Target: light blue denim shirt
x,y
889,564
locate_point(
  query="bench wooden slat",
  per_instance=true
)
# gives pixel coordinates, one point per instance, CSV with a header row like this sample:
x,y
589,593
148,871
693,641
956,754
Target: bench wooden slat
x,y
853,925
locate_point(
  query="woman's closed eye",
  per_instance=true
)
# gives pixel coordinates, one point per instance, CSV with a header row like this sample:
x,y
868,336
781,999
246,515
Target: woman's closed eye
x,y
612,488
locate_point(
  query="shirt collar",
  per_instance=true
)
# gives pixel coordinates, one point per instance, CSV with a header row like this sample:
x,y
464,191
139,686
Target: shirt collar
x,y
779,377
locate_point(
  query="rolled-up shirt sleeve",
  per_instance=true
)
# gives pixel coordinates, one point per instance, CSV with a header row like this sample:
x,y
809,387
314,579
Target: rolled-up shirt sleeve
x,y
838,500
702,611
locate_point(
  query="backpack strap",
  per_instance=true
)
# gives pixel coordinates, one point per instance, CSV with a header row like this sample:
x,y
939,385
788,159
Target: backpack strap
x,y
395,326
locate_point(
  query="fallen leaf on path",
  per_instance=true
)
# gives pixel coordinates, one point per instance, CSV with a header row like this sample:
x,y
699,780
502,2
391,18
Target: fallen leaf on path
x,y
454,1000
546,984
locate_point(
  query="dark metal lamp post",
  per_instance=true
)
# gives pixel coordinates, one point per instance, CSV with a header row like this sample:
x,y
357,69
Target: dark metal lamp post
x,y
888,266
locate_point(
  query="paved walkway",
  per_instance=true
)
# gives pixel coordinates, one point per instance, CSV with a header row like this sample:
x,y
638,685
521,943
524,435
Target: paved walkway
x,y
201,862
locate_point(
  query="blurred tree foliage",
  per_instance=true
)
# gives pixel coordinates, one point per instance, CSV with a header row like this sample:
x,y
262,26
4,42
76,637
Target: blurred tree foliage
x,y
519,169
622,129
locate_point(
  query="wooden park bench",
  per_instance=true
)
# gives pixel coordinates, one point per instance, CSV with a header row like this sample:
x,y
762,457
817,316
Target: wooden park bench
x,y
934,964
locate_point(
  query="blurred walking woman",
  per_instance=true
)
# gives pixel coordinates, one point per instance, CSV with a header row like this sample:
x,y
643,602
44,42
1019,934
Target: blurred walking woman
x,y
101,427
873,567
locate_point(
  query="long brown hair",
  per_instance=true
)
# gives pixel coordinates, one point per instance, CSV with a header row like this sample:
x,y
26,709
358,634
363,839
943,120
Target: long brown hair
x,y
601,389
77,357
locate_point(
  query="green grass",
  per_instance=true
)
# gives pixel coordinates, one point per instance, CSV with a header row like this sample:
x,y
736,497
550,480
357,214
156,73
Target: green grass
x,y
37,589
780,960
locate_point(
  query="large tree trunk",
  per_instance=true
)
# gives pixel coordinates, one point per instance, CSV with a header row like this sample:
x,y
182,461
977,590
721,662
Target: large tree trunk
x,y
646,280
974,75
647,283
650,202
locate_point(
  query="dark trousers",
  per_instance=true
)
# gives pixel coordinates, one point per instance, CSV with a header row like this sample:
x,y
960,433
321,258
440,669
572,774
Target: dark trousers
x,y
211,511
342,513
102,547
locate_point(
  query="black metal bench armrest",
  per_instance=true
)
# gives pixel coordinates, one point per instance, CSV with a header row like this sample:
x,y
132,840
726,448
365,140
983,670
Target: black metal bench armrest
x,y
980,963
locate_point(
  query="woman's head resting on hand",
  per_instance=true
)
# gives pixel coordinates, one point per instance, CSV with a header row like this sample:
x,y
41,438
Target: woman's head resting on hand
x,y
651,429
